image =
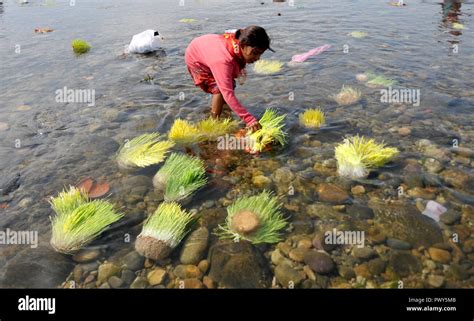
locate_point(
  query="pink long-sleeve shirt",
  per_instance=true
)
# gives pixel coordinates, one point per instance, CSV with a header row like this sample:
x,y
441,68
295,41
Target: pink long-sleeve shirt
x,y
211,53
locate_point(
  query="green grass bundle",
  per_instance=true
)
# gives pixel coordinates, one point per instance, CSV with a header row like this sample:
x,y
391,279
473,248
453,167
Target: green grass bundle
x,y
163,231
78,220
180,176
256,219
212,128
80,46
312,118
379,80
271,131
144,150
356,156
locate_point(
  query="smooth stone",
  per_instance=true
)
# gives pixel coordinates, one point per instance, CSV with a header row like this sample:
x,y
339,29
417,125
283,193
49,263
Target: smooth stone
x,y
376,266
261,181
208,282
298,254
203,266
320,263
319,243
398,244
115,282
283,176
358,190
439,255
238,265
39,267
401,220
360,212
187,272
362,270
133,261
88,267
195,246
404,131
433,165
404,263
436,281
364,253
139,283
278,258
192,284
287,276
156,276
347,272
305,243
332,193
106,270
450,217
127,276
85,256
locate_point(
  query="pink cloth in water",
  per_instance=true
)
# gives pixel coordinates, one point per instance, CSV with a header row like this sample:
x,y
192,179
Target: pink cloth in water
x,y
312,52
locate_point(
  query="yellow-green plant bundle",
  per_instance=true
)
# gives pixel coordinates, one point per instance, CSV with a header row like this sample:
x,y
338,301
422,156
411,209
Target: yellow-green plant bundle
x,y
211,128
267,67
144,150
357,155
78,220
80,46
256,219
271,131
163,231
347,96
180,176
358,34
184,132
312,118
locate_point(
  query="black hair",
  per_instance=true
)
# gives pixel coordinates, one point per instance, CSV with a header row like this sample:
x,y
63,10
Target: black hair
x,y
253,36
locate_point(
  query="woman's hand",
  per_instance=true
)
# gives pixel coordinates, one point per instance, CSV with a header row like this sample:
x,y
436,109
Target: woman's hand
x,y
256,126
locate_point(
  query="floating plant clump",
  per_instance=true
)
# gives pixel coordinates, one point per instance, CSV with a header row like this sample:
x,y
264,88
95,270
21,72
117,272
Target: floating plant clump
x,y
271,131
144,150
358,34
357,155
347,96
312,118
211,128
379,80
267,67
80,46
256,219
78,220
163,231
184,132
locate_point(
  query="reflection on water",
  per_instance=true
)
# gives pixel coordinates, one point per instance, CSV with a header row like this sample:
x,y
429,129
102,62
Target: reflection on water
x,y
53,144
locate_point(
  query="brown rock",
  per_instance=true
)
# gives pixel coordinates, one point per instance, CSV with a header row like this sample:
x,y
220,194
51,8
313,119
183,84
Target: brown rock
x,y
208,282
358,190
187,272
404,131
439,255
332,194
156,276
298,254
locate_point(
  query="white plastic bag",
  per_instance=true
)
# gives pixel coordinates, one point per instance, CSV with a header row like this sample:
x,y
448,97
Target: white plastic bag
x,y
145,42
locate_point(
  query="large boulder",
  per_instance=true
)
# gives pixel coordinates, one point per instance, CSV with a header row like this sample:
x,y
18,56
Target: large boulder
x,y
238,265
